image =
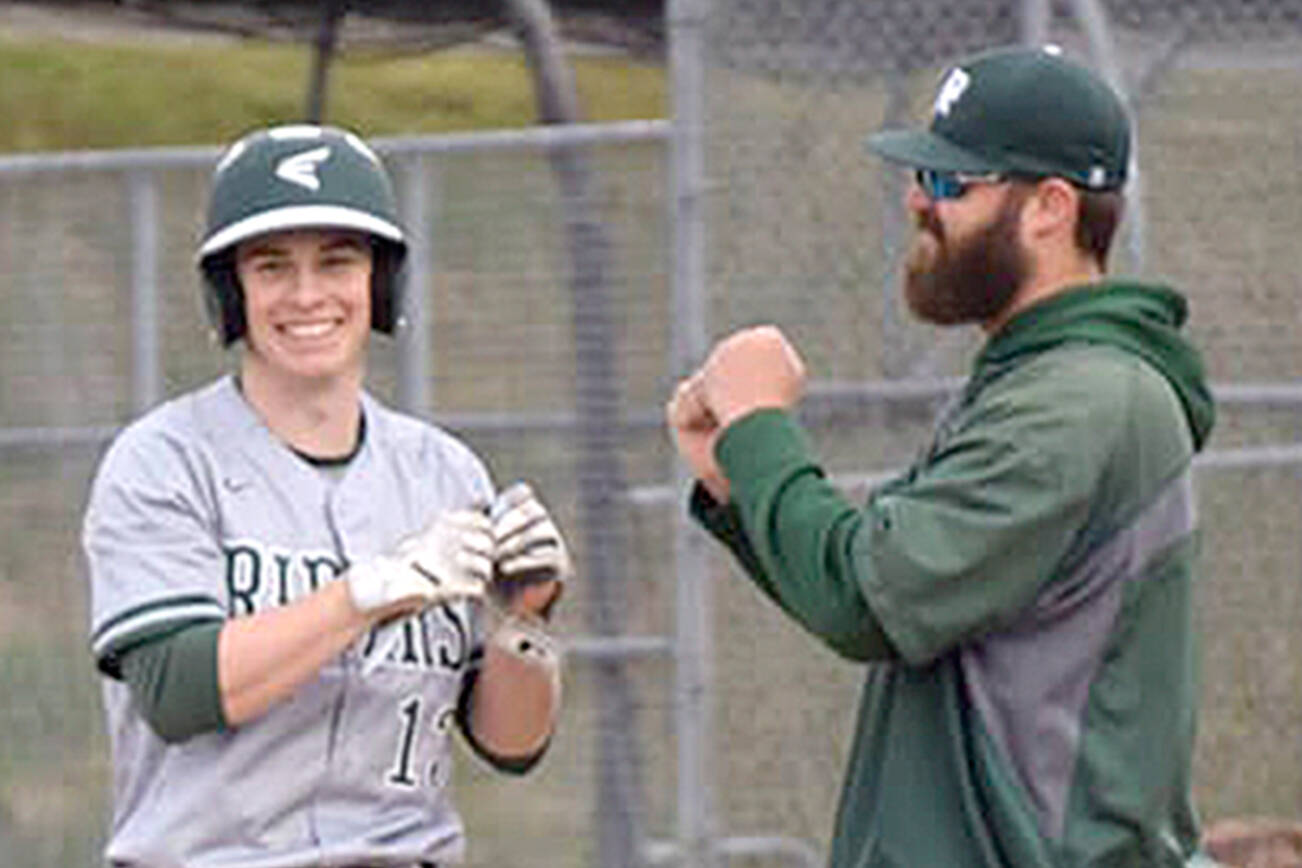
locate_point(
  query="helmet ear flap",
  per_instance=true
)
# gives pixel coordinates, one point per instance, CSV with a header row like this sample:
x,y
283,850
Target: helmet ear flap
x,y
223,298
387,284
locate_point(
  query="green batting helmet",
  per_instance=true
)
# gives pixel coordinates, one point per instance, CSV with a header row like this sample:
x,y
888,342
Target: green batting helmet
x,y
299,177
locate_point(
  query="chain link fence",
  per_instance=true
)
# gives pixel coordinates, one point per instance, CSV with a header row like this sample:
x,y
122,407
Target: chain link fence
x,y
548,363
804,229
554,308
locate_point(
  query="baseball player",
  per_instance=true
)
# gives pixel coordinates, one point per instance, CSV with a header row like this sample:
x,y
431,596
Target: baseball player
x,y
298,593
1023,592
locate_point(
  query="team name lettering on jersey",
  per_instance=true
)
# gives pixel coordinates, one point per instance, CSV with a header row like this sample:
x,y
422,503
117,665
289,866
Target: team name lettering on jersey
x,y
260,577
437,639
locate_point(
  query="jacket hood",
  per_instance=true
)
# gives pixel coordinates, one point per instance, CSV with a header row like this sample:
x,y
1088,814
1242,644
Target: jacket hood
x,y
1142,319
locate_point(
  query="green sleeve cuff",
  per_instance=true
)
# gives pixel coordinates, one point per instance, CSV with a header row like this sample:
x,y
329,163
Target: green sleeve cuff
x,y
762,444
720,519
723,522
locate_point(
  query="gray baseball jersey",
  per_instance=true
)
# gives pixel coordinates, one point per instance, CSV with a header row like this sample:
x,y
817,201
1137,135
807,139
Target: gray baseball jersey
x,y
197,513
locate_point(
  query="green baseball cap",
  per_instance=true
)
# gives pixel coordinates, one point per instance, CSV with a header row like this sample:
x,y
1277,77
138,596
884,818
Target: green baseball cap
x,y
1027,111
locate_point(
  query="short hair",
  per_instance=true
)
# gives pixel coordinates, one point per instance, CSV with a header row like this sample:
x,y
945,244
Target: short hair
x,y
1097,219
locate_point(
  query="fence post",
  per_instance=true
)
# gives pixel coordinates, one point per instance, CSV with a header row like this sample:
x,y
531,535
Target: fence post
x,y
1033,24
413,336
146,375
693,605
1094,19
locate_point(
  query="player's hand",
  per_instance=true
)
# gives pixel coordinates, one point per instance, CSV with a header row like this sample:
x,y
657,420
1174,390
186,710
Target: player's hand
x,y
752,369
450,559
531,563
695,432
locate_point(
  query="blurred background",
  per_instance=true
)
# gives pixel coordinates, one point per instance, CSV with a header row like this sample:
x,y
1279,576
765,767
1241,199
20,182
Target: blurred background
x,y
595,191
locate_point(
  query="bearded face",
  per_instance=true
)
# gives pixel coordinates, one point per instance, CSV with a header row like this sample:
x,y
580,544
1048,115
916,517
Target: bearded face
x,y
949,281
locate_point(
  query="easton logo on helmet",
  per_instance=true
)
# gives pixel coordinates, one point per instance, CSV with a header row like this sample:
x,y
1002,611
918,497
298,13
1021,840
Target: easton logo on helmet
x,y
301,168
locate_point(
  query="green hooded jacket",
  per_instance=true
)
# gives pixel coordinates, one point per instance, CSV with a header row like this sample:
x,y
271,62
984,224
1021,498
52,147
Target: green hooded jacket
x,y
1022,595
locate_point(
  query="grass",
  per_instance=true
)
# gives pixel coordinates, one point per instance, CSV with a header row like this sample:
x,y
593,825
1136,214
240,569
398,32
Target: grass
x,y
61,95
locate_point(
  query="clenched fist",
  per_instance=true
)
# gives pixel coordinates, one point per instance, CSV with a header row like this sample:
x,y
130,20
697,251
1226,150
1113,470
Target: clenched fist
x,y
752,369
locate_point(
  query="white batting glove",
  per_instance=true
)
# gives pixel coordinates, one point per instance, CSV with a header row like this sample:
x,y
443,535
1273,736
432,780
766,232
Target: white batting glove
x,y
529,547
450,559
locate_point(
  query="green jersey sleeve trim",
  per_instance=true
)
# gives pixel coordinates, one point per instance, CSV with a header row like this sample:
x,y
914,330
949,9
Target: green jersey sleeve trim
x,y
174,682
801,533
147,622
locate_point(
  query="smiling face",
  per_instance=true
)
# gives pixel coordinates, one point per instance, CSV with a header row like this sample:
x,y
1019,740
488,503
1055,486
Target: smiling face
x,y
307,300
